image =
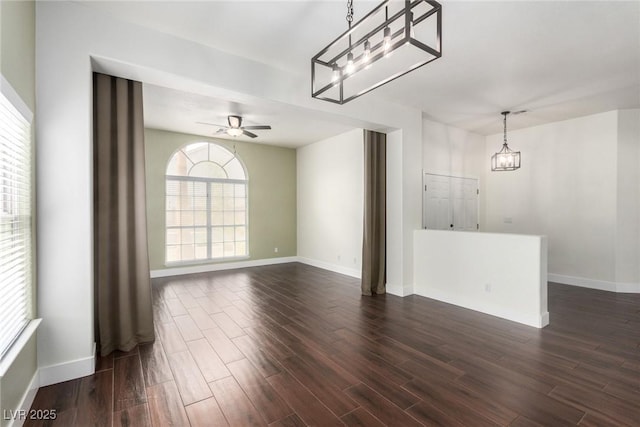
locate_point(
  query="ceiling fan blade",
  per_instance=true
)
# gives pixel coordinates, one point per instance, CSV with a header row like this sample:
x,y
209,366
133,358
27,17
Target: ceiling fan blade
x,y
246,132
258,127
234,121
222,130
210,124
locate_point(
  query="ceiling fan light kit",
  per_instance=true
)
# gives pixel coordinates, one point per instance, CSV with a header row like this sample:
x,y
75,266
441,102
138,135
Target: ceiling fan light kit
x,y
236,129
392,40
505,159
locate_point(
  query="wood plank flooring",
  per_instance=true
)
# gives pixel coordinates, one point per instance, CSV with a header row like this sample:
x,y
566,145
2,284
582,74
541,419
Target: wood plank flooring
x,y
293,345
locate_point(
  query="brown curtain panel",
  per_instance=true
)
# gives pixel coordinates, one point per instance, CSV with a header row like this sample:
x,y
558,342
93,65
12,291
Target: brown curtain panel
x,y
123,307
374,246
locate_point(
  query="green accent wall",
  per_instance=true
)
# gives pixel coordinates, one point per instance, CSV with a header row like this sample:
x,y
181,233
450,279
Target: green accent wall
x,y
17,65
272,193
18,48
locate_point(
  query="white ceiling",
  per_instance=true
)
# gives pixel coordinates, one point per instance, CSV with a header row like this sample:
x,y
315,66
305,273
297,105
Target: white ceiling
x,y
556,59
174,110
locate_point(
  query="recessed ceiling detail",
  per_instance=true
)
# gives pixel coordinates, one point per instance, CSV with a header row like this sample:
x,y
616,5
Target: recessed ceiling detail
x,y
181,111
534,55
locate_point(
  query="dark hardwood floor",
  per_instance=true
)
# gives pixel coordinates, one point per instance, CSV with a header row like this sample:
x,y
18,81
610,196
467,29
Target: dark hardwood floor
x,y
293,345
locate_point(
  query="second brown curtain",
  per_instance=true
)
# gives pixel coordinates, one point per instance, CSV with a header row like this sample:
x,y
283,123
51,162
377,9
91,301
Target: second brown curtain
x,y
374,233
123,306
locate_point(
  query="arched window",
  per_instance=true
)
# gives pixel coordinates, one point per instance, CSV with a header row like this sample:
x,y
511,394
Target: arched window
x,y
206,209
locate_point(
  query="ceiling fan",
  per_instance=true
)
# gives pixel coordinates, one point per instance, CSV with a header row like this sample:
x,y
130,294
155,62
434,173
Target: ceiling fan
x,y
235,127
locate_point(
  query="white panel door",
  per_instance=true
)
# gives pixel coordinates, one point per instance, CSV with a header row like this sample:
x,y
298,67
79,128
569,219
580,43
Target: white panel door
x,y
436,210
450,203
464,198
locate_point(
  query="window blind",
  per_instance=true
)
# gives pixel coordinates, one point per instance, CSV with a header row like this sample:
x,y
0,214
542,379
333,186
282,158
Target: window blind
x,y
15,223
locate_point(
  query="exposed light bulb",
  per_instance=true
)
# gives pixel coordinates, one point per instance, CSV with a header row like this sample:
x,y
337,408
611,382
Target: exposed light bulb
x,y
387,39
350,65
336,74
366,56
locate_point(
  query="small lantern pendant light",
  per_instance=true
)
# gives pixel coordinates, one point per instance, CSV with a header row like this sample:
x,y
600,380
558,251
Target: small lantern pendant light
x,y
505,159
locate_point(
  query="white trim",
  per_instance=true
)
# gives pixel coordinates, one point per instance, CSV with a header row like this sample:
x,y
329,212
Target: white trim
x,y
536,321
395,290
400,291
9,92
449,175
26,401
331,267
544,319
603,285
628,288
15,349
408,289
194,263
205,268
61,372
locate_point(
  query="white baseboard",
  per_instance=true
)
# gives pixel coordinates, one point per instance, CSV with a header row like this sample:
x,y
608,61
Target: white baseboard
x,y
331,267
205,268
530,319
66,371
544,319
399,290
603,285
396,290
628,288
408,290
26,401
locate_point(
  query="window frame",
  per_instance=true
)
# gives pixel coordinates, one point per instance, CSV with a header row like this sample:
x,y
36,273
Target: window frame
x,y
26,321
209,208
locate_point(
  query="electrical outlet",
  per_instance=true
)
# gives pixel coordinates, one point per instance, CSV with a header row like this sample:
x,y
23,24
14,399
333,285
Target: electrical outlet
x,y
355,260
339,257
487,287
275,250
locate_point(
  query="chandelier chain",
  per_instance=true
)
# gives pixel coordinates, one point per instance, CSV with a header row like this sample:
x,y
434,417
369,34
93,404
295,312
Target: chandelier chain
x,y
505,128
349,12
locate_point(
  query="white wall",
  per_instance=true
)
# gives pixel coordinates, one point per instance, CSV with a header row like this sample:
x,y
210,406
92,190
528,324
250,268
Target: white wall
x,y
628,204
447,150
69,37
568,189
330,188
504,275
588,208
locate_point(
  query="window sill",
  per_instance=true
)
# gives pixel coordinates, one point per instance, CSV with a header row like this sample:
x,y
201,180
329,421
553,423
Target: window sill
x,y
15,349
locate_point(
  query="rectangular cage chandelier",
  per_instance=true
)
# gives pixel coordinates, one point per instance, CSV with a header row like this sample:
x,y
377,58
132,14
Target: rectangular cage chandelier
x,y
506,159
392,40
